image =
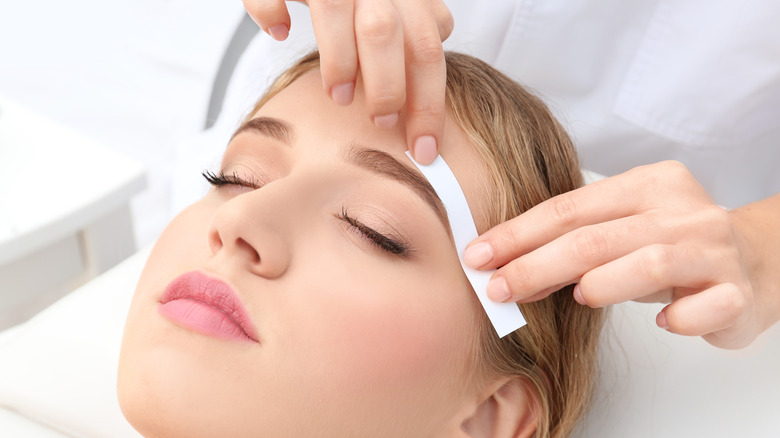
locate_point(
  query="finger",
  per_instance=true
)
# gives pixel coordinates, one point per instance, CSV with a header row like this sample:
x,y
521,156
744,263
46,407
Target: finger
x,y
650,273
602,201
271,16
334,29
543,294
708,311
380,48
444,21
426,76
569,257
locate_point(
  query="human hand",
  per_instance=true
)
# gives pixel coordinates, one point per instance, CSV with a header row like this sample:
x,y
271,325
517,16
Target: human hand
x,y
651,234
397,46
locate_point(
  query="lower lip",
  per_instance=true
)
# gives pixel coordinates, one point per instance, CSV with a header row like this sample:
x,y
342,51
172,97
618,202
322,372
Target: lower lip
x,y
202,318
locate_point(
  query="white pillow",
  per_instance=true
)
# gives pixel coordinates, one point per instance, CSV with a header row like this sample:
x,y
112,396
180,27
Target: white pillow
x,y
59,368
15,425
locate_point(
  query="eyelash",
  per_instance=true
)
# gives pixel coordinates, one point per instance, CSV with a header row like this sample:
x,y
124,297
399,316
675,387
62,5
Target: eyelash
x,y
222,179
376,238
380,240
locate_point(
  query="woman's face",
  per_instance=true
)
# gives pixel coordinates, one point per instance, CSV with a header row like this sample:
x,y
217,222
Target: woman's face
x,y
364,323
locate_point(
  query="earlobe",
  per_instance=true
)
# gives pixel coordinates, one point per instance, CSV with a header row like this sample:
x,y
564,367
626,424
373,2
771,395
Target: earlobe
x,y
509,411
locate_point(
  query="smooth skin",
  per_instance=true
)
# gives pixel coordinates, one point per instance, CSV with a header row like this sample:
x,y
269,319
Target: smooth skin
x,y
651,234
354,341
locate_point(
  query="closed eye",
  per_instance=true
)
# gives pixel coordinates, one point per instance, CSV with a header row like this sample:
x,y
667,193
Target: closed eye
x,y
230,179
378,239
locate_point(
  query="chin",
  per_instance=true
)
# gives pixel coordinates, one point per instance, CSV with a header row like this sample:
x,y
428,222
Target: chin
x,y
158,403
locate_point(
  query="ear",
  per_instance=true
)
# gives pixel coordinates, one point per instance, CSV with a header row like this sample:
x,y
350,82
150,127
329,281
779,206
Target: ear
x,y
510,410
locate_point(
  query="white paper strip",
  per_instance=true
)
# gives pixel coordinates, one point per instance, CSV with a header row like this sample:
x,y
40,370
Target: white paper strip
x,y
506,317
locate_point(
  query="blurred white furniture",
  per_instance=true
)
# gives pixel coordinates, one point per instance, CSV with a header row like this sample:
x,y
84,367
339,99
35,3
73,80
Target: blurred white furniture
x,y
16,425
64,210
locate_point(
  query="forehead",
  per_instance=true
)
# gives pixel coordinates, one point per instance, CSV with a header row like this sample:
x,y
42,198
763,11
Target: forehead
x,y
315,118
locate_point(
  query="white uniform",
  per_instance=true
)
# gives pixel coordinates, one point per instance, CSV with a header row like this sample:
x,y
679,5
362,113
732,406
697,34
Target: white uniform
x,y
640,82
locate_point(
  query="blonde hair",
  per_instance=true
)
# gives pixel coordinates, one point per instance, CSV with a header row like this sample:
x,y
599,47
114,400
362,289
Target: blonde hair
x,y
530,159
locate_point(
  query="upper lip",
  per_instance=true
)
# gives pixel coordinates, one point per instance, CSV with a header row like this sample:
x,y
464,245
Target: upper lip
x,y
198,286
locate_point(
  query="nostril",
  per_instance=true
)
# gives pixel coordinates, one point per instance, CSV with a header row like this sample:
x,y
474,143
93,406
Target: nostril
x,y
215,241
244,245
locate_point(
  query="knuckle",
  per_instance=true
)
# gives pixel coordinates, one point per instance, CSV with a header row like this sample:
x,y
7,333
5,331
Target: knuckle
x,y
377,26
733,302
328,6
719,218
668,174
711,223
563,210
675,170
591,244
426,110
656,264
513,235
674,165
384,101
427,49
518,278
504,237
338,69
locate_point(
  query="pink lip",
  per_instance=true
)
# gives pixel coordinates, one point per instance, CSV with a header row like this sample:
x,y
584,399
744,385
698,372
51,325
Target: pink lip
x,y
208,306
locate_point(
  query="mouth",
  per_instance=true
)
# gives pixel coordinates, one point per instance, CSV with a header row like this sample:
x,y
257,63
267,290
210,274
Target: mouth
x,y
207,306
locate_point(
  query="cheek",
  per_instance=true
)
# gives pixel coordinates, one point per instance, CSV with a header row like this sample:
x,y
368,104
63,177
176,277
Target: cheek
x,y
391,330
377,335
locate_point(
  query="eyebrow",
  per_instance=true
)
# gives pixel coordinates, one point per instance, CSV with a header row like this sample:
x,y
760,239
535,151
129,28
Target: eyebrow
x,y
269,127
386,165
373,160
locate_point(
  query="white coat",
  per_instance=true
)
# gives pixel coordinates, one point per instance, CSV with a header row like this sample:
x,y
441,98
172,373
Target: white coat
x,y
637,82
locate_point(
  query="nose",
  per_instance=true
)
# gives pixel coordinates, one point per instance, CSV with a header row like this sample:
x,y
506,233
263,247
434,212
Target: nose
x,y
247,230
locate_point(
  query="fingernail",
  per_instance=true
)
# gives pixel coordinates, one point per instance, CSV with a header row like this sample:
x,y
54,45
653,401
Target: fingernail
x,y
425,149
478,255
343,94
661,320
498,290
279,32
387,121
578,295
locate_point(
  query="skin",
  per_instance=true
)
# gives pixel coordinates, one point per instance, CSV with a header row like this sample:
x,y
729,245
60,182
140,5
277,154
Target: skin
x,y
720,271
354,341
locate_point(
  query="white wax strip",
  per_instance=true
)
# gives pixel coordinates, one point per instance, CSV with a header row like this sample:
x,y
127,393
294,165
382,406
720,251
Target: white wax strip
x,y
506,317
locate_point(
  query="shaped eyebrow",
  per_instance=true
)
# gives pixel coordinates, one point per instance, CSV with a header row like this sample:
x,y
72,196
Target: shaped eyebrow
x,y
269,127
386,165
375,161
